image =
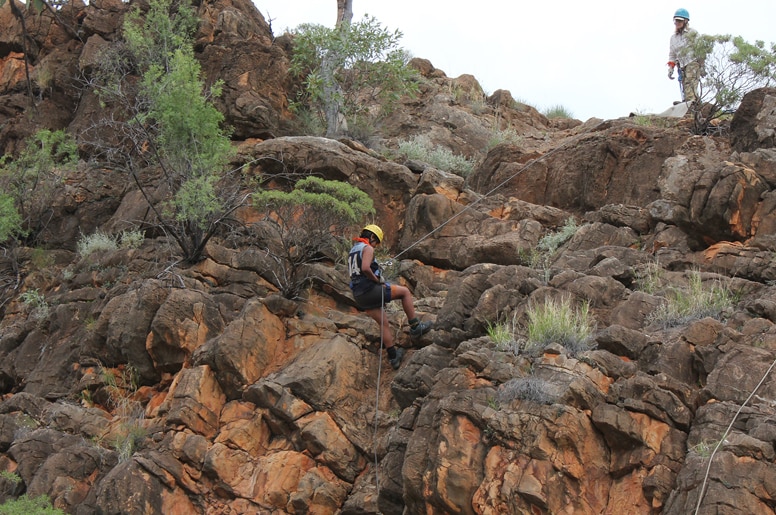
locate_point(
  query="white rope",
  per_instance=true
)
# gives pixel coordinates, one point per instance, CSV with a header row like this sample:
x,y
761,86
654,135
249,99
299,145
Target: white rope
x,y
377,389
725,434
486,195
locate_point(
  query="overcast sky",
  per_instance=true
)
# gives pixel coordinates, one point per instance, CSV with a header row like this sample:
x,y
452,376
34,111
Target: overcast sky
x,y
600,58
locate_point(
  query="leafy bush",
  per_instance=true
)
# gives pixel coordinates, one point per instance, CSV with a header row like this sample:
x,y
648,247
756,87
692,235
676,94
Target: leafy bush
x,y
693,303
10,219
96,242
29,181
302,226
540,256
35,301
503,136
559,322
346,68
166,121
131,239
557,111
25,505
733,67
420,148
552,241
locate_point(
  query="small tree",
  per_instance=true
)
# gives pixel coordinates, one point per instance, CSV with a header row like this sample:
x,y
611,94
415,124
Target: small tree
x,y
31,178
166,121
733,67
303,226
345,68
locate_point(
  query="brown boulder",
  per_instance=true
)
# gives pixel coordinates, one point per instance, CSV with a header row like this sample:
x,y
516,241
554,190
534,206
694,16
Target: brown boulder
x,y
753,123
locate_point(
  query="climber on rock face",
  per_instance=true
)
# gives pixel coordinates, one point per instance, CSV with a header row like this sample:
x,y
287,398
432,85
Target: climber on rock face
x,y
372,293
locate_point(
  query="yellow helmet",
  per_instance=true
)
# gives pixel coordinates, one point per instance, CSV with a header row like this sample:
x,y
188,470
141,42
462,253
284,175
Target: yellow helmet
x,y
374,229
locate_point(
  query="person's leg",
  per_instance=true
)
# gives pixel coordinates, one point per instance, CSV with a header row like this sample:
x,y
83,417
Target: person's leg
x,y
395,354
379,316
690,81
407,303
417,328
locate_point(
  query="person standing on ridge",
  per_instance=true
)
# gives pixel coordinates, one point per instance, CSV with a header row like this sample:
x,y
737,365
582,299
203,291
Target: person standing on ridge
x,y
680,55
371,292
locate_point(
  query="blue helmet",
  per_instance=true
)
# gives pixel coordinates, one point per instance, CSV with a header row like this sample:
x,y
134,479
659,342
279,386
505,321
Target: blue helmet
x,y
682,13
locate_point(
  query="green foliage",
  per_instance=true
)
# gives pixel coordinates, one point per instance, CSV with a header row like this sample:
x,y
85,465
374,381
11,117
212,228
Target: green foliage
x,y
504,136
302,226
25,505
346,68
10,219
649,279
167,121
421,148
559,322
131,239
121,386
696,301
733,67
11,477
557,111
153,36
540,257
499,333
35,302
29,181
96,242
552,241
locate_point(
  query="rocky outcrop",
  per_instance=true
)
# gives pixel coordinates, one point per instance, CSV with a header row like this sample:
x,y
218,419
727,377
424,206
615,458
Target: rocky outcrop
x,y
131,383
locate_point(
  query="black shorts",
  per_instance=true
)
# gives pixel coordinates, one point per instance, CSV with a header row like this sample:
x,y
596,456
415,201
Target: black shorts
x,y
376,297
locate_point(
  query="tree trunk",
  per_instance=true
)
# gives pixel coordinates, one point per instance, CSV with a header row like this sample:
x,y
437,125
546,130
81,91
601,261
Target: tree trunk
x,y
335,122
344,11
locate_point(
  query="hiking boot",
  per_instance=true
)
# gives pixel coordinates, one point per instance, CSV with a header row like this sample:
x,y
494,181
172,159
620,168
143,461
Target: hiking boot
x,y
396,362
420,329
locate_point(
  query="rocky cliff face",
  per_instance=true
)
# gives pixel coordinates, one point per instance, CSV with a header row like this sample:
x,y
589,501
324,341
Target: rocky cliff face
x,y
142,387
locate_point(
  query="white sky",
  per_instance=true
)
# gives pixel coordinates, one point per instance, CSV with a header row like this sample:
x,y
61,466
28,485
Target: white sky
x,y
599,58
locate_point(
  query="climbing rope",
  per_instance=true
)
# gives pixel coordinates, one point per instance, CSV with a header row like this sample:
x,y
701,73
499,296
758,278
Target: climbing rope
x,y
377,390
488,194
725,434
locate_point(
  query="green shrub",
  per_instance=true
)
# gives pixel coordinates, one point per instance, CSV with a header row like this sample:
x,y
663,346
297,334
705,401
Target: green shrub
x,y
96,242
29,181
10,219
540,256
696,301
25,505
305,225
504,136
121,386
500,333
166,121
552,241
559,322
649,278
557,111
35,303
346,69
420,148
131,239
